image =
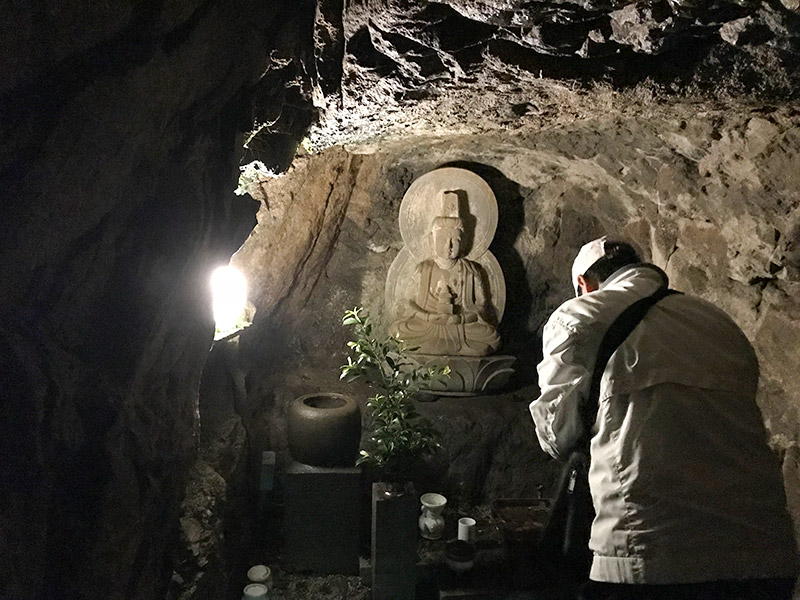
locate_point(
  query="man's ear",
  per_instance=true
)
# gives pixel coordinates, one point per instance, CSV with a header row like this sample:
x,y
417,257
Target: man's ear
x,y
586,285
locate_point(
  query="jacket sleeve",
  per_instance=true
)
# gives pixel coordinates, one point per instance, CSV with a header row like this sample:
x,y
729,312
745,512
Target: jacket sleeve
x,y
564,382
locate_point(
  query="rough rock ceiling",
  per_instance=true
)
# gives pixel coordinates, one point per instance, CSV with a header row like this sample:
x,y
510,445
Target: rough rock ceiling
x,y
397,67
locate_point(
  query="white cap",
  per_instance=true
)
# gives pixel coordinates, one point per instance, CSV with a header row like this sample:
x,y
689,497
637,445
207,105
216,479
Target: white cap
x,y
588,255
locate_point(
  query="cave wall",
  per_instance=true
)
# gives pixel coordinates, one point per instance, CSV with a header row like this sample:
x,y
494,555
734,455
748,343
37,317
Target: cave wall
x,y
119,141
119,130
711,196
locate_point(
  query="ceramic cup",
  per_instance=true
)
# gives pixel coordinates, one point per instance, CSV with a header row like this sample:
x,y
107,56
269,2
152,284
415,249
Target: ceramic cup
x,y
260,574
255,591
467,531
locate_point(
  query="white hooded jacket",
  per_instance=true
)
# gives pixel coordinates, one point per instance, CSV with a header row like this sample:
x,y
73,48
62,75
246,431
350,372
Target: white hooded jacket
x,y
683,482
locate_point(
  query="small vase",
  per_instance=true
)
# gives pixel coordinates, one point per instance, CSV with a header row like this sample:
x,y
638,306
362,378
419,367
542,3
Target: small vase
x,y
431,521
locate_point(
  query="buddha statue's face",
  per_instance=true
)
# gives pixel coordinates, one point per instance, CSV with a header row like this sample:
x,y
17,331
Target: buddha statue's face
x,y
447,242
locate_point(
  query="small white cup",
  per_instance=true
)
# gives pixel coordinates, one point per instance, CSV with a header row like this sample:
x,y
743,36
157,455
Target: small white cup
x,y
260,574
255,591
467,531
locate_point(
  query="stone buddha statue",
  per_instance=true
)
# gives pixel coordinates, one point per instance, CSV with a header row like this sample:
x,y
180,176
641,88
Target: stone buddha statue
x,y
445,291
447,312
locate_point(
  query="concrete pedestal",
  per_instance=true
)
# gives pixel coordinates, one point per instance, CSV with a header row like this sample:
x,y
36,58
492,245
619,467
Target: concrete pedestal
x,y
322,517
394,544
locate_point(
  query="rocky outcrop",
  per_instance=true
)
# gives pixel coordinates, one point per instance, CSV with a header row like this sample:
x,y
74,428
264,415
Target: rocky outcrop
x,y
119,139
393,67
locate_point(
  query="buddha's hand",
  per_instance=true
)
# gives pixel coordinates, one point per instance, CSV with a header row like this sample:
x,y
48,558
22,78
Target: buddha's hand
x,y
442,319
470,317
450,319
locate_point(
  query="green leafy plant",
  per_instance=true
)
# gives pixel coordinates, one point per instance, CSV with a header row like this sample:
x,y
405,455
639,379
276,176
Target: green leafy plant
x,y
398,436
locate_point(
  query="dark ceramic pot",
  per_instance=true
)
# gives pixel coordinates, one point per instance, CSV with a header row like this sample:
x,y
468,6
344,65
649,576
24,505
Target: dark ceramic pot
x,y
324,430
459,555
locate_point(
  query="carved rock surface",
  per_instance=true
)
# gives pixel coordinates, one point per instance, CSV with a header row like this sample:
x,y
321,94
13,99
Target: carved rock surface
x,y
710,196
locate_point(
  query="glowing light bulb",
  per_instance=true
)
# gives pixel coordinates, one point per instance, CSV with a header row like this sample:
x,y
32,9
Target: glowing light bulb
x,y
229,298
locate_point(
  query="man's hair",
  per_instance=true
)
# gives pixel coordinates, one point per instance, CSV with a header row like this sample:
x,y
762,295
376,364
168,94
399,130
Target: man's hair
x,y
617,255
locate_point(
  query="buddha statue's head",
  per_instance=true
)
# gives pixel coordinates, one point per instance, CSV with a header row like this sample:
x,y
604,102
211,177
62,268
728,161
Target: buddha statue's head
x,y
447,233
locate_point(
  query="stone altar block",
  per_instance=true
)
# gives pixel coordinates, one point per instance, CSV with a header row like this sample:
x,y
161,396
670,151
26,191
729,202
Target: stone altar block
x,y
322,518
445,290
394,544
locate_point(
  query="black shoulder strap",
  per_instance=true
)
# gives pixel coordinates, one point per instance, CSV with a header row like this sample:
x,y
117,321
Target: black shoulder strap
x,y
616,334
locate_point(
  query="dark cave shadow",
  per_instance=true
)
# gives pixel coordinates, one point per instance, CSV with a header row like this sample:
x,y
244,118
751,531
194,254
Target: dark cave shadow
x,y
517,340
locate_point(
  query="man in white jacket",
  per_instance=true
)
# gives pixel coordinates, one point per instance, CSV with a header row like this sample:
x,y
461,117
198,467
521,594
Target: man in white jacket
x,y
689,498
